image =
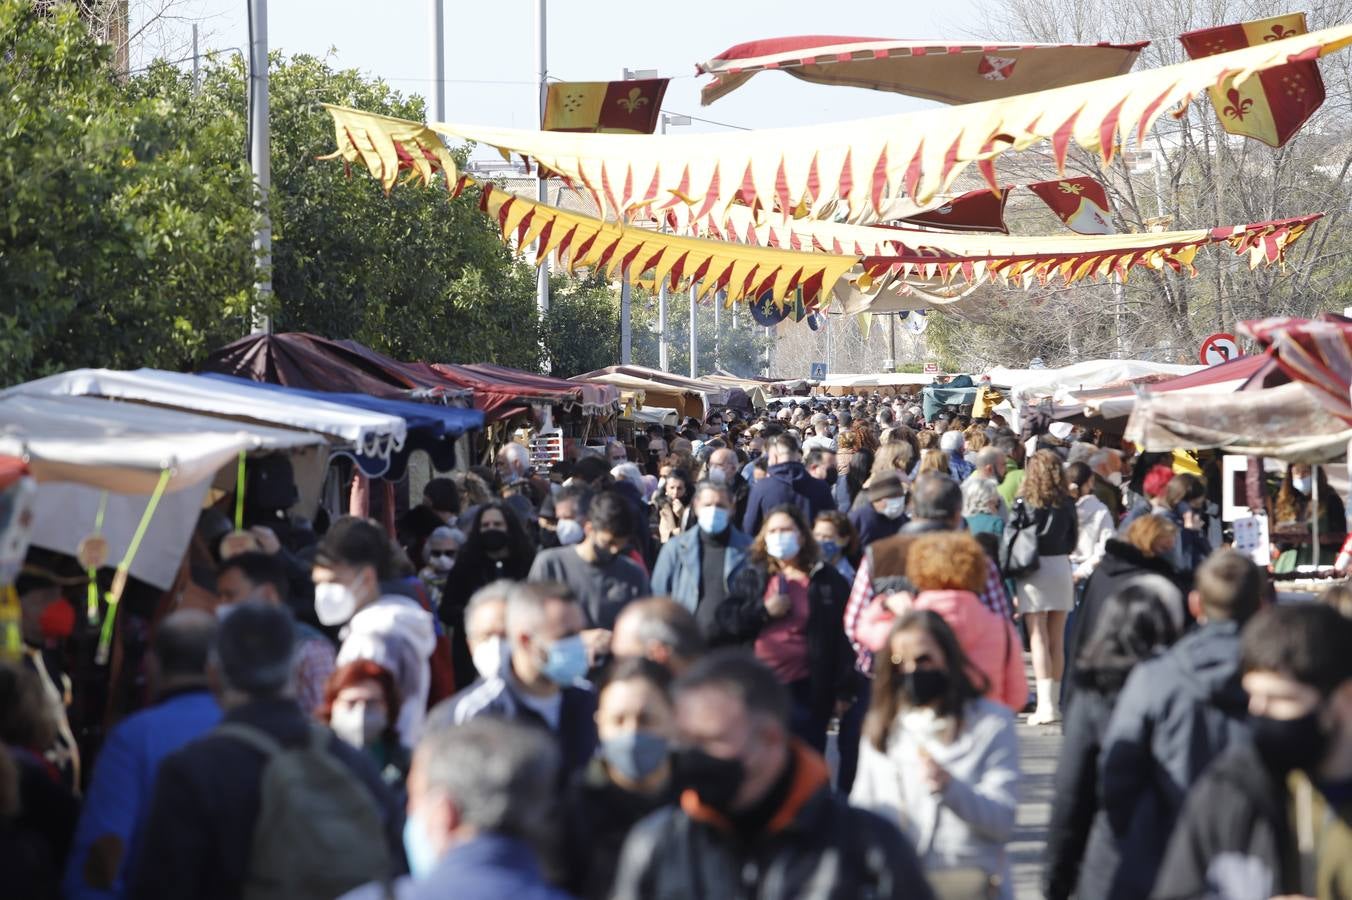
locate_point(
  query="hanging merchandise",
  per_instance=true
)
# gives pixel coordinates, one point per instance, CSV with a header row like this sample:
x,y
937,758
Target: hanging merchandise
x,y
917,323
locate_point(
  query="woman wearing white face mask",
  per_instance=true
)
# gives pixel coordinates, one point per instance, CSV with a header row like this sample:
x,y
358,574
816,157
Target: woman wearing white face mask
x,y
393,630
361,705
486,627
789,606
1293,515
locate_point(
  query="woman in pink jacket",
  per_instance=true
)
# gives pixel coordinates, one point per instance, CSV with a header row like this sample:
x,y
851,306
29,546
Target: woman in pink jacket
x,y
948,569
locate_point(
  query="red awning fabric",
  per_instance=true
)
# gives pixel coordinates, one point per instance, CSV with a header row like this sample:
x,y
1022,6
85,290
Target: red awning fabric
x,y
11,470
502,392
1316,351
949,73
314,363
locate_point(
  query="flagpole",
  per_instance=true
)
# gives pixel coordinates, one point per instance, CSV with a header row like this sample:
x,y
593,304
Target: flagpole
x,y
694,337
437,27
260,158
541,185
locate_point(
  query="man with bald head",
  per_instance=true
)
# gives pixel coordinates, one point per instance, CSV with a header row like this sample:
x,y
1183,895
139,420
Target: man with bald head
x,y
724,469
658,629
119,795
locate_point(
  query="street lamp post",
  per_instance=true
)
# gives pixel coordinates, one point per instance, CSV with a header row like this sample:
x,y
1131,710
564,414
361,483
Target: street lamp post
x,y
541,185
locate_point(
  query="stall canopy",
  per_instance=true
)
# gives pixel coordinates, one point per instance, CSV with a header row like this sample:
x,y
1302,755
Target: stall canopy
x,y
502,392
432,427
315,363
78,448
949,73
1290,422
688,396
1048,390
1117,401
375,436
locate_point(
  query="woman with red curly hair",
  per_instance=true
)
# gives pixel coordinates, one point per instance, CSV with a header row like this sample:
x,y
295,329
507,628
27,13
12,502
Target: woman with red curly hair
x,y
361,705
948,570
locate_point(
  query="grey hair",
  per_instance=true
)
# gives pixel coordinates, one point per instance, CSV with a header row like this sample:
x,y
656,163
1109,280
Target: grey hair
x,y
1096,461
990,456
980,495
630,472
498,773
516,454
951,441
493,592
446,532
711,485
526,605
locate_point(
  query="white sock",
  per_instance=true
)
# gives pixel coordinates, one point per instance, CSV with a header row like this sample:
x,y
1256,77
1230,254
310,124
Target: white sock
x,y
1044,696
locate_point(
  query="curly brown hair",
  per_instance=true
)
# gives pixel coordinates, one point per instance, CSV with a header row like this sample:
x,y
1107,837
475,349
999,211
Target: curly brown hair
x,y
1044,481
947,561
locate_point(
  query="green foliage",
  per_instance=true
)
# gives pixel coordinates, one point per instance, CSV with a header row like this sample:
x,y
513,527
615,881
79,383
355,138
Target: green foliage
x,y
740,342
582,328
118,245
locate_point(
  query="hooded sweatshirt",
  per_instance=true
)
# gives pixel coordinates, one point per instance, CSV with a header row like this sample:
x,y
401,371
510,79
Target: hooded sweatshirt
x,y
1177,713
988,639
397,633
786,483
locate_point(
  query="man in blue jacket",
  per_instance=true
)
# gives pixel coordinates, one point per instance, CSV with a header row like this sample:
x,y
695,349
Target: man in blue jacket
x,y
696,566
788,481
119,795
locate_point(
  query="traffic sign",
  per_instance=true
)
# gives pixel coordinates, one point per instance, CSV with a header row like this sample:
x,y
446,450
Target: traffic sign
x,y
931,368
818,371
1219,348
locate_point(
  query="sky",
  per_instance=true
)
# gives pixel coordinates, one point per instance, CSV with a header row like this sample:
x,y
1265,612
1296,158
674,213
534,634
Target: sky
x,y
490,48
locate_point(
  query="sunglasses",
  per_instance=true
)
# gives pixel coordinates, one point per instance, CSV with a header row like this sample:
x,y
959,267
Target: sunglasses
x,y
447,554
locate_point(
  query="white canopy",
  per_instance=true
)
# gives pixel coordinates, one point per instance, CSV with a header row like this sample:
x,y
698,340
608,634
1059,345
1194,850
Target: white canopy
x,y
79,447
881,379
1053,390
369,433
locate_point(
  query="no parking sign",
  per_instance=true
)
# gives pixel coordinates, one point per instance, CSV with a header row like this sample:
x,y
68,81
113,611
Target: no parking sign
x,y
1219,348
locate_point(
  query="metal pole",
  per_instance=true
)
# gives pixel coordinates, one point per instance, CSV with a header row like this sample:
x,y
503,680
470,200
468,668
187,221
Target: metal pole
x,y
892,340
1120,305
694,337
826,324
437,27
662,347
1314,519
260,156
769,344
541,185
626,331
196,62
718,321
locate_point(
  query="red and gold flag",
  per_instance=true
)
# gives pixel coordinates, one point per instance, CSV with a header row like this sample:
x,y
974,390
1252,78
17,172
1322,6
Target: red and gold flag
x,y
982,210
1271,105
1082,203
611,107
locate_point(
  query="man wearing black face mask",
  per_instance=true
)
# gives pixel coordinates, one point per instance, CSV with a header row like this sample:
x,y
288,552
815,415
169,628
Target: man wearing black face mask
x,y
1272,817
757,816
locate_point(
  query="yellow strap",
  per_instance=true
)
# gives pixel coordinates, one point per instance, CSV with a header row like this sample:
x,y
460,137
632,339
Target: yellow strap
x,y
114,595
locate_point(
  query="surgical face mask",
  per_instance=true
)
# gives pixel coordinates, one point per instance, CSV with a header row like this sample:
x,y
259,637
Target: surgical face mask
x,y
566,661
894,507
357,724
422,856
334,603
441,560
488,655
569,532
717,475
1115,479
635,754
830,549
1302,484
782,544
713,519
1287,744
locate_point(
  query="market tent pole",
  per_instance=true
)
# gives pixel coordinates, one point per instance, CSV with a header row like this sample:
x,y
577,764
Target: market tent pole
x,y
436,27
694,338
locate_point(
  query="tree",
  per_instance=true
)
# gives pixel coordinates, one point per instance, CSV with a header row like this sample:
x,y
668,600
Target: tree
x,y
1192,175
119,248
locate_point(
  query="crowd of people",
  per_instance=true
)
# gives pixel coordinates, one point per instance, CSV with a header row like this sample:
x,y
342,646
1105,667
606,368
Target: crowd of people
x,y
623,677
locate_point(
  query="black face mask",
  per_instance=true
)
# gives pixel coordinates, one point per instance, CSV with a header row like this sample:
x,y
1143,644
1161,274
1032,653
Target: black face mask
x,y
924,685
714,779
549,539
1287,744
603,554
493,541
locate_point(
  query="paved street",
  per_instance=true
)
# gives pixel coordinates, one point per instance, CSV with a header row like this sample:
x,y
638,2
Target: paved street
x,y
1039,747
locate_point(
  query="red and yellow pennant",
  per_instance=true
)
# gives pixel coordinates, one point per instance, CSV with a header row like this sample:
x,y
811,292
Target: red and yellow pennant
x,y
869,163
605,107
1082,203
630,253
1272,106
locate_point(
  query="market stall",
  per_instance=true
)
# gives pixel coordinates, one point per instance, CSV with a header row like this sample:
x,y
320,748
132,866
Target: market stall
x,y
688,396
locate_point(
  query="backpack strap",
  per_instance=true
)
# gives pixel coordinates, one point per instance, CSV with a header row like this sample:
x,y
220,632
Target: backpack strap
x,y
256,738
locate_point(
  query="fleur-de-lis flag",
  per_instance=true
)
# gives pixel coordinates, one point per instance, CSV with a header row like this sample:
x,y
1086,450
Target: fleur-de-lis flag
x,y
1271,105
1082,203
615,107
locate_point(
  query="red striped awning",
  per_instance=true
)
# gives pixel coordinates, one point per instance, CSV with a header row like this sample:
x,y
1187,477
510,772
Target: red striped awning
x,y
949,73
1315,351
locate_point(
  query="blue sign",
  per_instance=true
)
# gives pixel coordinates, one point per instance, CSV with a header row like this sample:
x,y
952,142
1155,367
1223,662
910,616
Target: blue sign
x,y
818,372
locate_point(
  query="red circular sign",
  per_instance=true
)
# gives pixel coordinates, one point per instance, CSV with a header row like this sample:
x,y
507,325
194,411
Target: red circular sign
x,y
1219,348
